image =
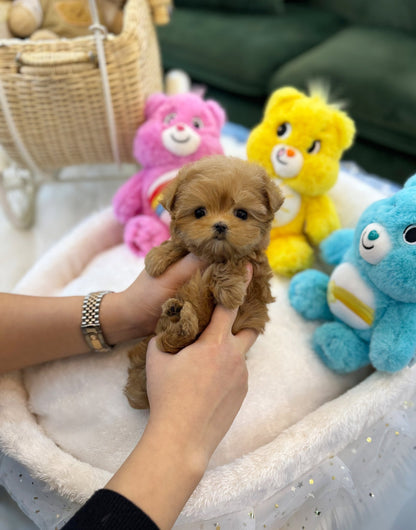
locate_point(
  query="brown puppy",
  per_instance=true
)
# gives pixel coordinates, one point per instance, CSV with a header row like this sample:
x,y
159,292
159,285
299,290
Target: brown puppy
x,y
221,210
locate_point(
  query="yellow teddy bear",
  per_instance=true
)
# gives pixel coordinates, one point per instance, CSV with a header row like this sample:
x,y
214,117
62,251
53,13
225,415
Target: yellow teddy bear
x,y
300,142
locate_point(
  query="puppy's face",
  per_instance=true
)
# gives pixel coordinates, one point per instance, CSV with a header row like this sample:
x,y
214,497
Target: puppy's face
x,y
222,207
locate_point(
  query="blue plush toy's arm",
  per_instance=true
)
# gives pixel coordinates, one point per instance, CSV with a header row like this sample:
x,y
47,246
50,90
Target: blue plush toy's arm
x,y
334,247
307,294
393,343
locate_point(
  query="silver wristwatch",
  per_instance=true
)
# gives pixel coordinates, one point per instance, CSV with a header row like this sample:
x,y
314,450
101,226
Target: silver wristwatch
x,y
90,322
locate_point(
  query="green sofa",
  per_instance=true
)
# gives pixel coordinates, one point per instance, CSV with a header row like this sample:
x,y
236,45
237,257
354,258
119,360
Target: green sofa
x,y
242,51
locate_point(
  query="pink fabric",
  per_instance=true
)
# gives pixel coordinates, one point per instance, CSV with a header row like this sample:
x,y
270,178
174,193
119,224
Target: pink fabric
x,y
182,115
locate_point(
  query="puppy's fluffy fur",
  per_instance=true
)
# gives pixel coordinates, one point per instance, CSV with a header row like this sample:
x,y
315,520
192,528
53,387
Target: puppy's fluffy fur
x,y
221,210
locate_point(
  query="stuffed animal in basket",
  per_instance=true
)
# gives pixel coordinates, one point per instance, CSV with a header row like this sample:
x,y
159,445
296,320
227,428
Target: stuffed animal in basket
x,y
300,142
5,6
61,18
370,296
179,129
221,209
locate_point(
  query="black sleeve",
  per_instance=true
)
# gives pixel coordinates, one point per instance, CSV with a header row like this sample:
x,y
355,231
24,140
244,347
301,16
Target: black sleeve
x,y
108,510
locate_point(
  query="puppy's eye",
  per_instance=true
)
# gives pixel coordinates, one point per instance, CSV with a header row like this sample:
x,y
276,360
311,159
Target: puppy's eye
x,y
169,117
197,123
241,214
284,130
200,212
315,147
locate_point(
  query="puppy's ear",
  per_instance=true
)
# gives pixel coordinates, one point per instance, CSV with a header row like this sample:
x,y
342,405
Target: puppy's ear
x,y
272,193
169,195
170,192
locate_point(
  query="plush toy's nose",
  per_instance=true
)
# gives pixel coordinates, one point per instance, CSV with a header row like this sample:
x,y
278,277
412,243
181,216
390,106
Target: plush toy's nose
x,y
220,228
180,127
290,152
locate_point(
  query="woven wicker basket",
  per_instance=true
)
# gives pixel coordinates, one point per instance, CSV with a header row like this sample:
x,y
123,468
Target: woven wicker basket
x,y
53,107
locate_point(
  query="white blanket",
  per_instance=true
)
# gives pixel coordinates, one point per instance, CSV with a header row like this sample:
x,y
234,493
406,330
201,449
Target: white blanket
x,y
70,424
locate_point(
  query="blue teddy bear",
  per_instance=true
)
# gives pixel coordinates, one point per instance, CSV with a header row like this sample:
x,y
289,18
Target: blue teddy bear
x,y
370,297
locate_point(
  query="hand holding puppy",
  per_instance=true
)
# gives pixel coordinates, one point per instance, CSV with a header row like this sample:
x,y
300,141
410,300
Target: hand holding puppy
x,y
221,211
194,397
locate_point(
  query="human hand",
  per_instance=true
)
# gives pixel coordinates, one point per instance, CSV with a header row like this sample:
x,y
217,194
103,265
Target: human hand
x,y
134,312
195,395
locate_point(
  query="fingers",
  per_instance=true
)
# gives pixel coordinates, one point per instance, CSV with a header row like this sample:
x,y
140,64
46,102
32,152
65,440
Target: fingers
x,y
153,353
182,270
246,338
222,321
249,268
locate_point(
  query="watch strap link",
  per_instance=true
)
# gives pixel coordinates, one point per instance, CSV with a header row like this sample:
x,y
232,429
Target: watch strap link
x,y
90,322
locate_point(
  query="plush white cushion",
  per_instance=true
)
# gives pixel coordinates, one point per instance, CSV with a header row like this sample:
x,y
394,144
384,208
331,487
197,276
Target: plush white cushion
x,y
70,424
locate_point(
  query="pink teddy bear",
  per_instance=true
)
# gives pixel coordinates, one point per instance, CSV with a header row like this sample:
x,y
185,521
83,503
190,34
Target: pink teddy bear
x,y
179,128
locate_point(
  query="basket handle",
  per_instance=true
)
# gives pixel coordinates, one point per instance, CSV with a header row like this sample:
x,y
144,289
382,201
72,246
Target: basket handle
x,y
53,59
100,34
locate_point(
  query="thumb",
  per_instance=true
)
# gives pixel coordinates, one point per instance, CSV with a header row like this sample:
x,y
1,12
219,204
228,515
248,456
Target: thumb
x,y
222,319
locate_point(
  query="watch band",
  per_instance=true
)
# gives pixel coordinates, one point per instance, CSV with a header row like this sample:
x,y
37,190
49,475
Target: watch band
x,y
90,322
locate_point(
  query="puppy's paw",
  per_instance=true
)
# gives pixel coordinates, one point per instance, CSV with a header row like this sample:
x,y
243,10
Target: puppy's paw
x,y
161,257
138,399
178,326
155,262
135,389
230,294
172,309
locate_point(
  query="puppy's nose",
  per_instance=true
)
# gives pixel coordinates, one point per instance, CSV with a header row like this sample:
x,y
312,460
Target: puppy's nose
x,y
220,228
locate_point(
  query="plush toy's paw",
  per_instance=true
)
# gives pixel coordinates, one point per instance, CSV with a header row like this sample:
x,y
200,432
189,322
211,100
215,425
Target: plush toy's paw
x,y
177,326
340,348
307,294
143,233
391,357
334,247
289,255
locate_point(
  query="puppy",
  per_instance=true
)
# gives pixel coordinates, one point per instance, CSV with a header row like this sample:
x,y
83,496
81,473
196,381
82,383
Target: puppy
x,y
221,210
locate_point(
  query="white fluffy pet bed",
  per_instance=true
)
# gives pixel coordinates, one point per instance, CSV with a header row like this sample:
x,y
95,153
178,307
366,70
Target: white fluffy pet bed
x,y
306,448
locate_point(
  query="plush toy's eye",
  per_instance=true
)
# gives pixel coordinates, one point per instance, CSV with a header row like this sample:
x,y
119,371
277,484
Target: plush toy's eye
x,y
374,243
315,147
284,130
169,117
197,123
241,214
200,212
409,235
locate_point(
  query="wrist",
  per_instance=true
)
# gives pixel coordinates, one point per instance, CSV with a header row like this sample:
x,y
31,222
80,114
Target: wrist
x,y
179,444
117,322
159,476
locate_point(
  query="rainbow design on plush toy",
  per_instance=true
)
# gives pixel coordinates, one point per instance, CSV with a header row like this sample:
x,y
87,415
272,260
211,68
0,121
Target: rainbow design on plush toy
x,y
300,142
155,193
